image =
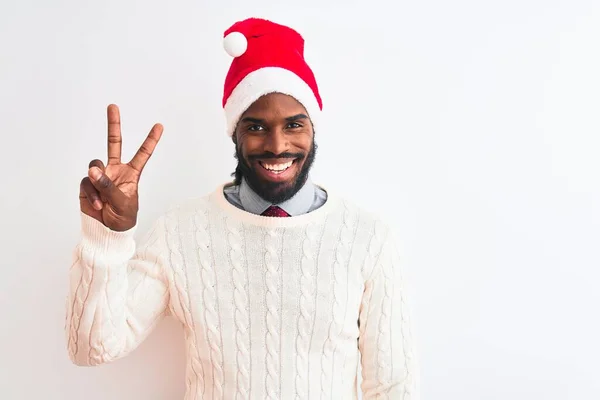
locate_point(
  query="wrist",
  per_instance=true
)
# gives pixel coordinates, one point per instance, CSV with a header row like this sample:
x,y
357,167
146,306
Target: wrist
x,y
98,235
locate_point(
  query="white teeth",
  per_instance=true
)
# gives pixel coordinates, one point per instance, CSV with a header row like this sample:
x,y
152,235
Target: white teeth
x,y
278,167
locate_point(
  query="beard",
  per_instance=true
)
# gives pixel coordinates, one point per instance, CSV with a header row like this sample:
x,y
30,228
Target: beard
x,y
274,192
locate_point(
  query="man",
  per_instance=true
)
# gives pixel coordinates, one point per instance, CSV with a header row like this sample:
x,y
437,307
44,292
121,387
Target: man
x,y
280,286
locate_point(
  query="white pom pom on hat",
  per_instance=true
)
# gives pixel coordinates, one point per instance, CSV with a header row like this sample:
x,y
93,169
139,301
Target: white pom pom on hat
x,y
235,44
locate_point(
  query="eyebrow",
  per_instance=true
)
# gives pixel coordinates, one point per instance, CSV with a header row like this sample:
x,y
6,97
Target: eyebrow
x,y
262,121
296,117
253,120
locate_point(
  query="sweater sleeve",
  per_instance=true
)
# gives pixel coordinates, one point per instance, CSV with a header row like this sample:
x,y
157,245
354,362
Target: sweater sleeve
x,y
118,291
389,367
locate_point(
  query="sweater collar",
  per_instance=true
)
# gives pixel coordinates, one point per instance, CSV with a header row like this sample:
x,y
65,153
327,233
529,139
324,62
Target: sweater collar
x,y
298,204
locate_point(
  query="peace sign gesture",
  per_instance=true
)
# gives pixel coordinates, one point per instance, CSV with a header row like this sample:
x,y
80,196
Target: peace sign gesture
x,y
110,193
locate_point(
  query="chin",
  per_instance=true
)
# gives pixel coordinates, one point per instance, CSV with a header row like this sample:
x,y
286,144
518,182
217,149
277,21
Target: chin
x,y
273,179
277,191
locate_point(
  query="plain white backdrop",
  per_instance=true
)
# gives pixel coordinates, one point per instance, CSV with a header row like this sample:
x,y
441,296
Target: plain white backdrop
x,y
471,125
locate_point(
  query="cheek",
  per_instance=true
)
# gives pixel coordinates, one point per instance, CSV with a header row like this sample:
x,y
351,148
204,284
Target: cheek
x,y
305,143
249,146
242,149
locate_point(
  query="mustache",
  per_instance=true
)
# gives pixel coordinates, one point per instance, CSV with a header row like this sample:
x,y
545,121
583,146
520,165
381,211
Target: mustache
x,y
268,155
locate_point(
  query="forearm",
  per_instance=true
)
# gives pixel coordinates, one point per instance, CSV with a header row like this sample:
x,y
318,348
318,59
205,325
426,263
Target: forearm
x,y
115,296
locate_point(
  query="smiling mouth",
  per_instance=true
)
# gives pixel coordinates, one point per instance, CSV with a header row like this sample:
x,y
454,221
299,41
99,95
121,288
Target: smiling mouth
x,y
277,168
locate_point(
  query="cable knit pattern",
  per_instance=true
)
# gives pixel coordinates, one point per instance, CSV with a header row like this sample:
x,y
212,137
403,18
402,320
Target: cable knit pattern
x,y
115,289
75,309
209,297
268,305
273,322
307,307
405,324
348,236
339,288
181,282
374,248
383,342
241,317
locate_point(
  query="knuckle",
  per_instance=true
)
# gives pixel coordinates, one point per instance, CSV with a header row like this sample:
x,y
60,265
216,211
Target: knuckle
x,y
104,182
145,150
96,163
87,188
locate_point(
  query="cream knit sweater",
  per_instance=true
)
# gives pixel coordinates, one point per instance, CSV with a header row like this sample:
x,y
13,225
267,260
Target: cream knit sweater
x,y
272,308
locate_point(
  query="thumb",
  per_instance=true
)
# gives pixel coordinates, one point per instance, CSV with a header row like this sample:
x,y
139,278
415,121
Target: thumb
x,y
106,187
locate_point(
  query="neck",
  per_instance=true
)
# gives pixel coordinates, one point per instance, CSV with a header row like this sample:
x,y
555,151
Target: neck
x,y
300,203
218,198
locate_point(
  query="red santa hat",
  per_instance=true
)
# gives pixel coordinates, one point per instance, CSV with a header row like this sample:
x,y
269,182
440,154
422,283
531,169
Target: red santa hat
x,y
268,58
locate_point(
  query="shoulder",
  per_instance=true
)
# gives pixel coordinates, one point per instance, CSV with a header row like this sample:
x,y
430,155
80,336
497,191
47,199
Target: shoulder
x,y
366,217
186,208
371,231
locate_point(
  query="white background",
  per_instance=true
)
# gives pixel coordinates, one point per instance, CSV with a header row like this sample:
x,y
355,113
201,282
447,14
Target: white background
x,y
473,126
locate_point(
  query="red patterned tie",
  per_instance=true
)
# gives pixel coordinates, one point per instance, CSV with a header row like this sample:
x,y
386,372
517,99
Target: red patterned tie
x,y
274,211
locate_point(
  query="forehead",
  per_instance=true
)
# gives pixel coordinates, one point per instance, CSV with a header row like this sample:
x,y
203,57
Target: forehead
x,y
276,104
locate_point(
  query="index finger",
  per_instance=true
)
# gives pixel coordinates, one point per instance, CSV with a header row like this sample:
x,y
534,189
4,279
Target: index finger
x,y
147,148
114,134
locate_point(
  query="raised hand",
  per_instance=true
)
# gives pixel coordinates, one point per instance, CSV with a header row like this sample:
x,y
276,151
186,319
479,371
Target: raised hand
x,y
110,193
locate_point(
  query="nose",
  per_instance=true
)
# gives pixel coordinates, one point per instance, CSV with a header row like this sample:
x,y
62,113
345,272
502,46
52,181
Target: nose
x,y
276,141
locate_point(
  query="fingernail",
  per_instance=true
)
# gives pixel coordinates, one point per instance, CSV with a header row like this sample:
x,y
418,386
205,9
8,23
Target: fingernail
x,y
95,173
98,205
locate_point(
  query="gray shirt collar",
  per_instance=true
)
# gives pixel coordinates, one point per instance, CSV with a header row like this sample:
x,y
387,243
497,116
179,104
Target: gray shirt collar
x,y
299,204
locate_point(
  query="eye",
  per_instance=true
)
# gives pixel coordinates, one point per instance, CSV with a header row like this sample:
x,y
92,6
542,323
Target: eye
x,y
294,125
255,128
